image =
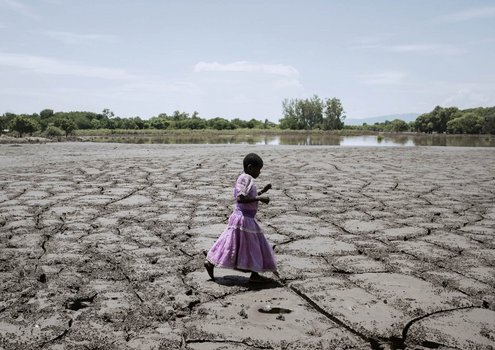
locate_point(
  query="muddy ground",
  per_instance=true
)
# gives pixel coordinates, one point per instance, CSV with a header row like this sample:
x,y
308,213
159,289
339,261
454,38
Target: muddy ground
x,y
378,248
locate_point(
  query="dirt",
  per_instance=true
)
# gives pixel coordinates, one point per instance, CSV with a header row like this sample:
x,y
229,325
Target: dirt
x,y
101,247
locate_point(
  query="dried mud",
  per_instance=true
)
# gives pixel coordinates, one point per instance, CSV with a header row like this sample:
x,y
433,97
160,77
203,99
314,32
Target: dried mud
x,y
378,248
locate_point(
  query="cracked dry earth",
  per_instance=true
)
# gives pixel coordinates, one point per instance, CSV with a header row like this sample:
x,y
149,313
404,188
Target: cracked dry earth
x,y
378,248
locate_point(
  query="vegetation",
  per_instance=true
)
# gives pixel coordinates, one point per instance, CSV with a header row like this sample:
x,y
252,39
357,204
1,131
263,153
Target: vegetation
x,y
455,121
395,125
298,114
312,113
67,125
53,131
450,120
23,125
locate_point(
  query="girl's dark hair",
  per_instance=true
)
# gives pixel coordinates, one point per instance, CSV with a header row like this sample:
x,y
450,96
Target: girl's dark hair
x,y
253,159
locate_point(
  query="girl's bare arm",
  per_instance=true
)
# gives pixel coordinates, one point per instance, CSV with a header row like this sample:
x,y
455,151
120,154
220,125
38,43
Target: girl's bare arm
x,y
265,189
244,199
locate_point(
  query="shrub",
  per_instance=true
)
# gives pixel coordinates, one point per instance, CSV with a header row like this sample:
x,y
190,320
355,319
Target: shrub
x,y
53,131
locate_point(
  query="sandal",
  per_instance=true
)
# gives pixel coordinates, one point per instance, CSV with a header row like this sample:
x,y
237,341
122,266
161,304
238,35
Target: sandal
x,y
259,279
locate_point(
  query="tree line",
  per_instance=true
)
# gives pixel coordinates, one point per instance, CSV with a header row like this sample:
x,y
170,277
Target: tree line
x,y
448,120
455,121
53,123
311,113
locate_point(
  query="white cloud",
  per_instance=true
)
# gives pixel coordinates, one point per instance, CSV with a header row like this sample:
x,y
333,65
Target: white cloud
x,y
150,86
433,49
383,78
470,14
124,82
426,48
287,84
45,65
75,38
244,66
20,8
466,97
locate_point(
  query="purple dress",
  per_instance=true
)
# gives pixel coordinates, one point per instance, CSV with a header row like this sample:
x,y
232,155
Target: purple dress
x,y
243,246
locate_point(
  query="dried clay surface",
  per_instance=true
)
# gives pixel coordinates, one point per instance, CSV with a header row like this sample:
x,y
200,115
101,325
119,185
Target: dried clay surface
x,y
101,247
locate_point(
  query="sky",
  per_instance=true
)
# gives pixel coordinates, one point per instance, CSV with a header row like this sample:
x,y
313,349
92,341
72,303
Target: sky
x,y
241,59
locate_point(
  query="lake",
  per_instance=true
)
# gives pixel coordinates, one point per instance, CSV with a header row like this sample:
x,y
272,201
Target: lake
x,y
391,140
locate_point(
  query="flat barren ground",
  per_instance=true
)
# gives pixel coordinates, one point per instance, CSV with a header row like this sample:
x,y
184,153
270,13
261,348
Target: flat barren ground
x,y
378,248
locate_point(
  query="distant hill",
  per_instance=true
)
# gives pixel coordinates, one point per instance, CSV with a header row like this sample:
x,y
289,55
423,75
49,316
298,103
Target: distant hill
x,y
407,117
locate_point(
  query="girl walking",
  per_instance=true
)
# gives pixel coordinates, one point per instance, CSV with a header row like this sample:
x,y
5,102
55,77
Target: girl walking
x,y
242,245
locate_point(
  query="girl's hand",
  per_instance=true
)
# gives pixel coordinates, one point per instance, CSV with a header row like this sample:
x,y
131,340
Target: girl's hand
x,y
266,188
265,200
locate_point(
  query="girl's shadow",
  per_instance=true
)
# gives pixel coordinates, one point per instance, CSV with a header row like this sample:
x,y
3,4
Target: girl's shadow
x,y
241,281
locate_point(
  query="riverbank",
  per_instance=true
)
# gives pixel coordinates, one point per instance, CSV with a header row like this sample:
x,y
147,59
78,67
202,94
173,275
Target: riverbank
x,y
101,246
266,137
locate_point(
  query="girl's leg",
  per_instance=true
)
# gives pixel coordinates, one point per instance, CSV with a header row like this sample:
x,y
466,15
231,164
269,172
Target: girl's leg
x,y
209,268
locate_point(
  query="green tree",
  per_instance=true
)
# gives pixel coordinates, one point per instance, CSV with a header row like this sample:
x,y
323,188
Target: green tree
x,y
3,123
469,123
108,114
334,114
46,113
302,113
67,125
488,115
194,123
220,124
290,111
178,116
423,124
24,125
6,121
312,112
140,124
238,123
397,125
489,125
95,124
436,120
117,123
160,123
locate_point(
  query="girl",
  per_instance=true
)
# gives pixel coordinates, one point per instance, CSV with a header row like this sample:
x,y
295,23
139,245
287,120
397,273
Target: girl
x,y
243,246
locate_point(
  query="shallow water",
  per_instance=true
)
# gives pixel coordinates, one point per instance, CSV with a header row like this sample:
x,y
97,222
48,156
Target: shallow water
x,y
407,140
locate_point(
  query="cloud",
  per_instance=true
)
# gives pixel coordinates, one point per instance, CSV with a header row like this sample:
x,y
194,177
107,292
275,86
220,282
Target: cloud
x,y
244,66
426,48
78,39
126,81
150,86
465,97
20,8
382,78
433,49
468,15
45,65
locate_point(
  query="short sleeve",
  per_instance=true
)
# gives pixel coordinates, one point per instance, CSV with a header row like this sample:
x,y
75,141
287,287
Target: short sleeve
x,y
244,185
